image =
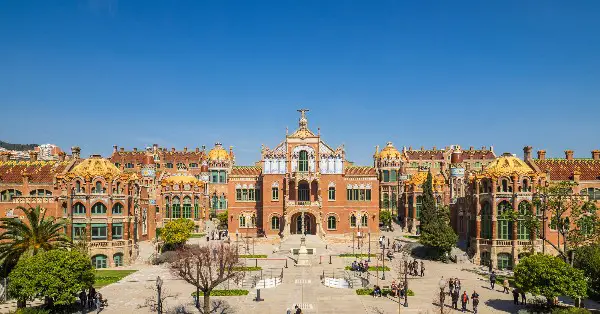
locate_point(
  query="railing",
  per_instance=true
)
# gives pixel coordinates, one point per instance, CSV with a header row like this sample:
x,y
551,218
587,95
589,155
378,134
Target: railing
x,y
119,243
529,242
97,244
503,243
303,203
23,199
106,244
485,242
504,194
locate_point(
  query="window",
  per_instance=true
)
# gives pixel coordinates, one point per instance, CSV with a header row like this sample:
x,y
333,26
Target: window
x,y
98,231
522,229
117,231
222,202
99,261
419,206
78,209
118,165
303,192
222,176
180,165
214,176
274,223
593,194
414,164
176,210
242,221
394,200
77,187
504,185
352,220
358,194
386,176
187,207
99,209
118,259
129,165
7,195
393,176
244,195
504,223
486,221
169,165
331,193
504,261
477,164
40,192
364,220
331,223
303,161
196,207
193,165
167,207
117,209
78,231
385,201
274,194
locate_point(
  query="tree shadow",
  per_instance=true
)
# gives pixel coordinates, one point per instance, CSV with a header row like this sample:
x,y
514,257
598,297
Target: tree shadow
x,y
503,305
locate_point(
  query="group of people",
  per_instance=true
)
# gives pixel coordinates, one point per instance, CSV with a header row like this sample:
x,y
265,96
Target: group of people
x,y
464,300
413,268
505,283
297,310
92,300
398,290
361,266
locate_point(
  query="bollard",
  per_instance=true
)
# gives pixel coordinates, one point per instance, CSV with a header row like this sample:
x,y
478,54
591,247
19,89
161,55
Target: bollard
x,y
286,263
329,259
256,262
258,296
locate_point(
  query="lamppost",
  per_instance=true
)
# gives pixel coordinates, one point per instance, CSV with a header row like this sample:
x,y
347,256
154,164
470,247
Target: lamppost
x,y
159,284
369,255
383,258
359,237
405,283
442,285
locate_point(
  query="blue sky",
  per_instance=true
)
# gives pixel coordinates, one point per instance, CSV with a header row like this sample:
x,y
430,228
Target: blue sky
x,y
190,73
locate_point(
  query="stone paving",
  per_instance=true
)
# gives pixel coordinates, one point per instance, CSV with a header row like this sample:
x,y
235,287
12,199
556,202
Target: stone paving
x,y
303,285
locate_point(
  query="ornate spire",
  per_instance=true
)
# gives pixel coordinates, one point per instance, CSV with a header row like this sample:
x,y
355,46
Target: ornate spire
x,y
303,123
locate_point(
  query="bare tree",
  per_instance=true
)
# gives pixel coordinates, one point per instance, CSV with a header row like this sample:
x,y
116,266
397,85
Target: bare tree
x,y
156,301
205,267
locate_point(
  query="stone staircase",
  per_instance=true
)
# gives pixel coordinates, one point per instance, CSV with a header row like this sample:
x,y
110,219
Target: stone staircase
x,y
293,242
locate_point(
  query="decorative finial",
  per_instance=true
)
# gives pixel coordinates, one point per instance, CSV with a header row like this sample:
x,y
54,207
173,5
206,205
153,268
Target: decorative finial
x,y
303,123
319,131
286,130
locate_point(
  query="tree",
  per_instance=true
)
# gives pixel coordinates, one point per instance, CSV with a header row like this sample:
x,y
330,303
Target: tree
x,y
385,217
575,219
550,277
428,211
438,235
587,258
205,267
57,274
177,232
223,218
26,238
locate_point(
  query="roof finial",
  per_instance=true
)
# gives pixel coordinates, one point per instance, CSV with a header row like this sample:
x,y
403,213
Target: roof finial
x,y
303,123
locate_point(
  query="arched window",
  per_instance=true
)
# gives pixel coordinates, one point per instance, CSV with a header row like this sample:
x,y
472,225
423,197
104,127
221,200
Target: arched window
x,y
331,193
169,165
331,223
117,209
274,193
180,165
168,207
40,192
352,221
176,208
419,206
7,195
504,223
526,187
196,207
364,220
274,223
522,229
303,192
504,261
78,209
242,219
98,187
99,209
486,221
303,161
504,185
222,176
77,187
118,188
99,261
386,176
118,259
187,207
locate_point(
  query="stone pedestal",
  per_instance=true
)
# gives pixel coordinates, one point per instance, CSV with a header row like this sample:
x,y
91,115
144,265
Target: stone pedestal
x,y
303,259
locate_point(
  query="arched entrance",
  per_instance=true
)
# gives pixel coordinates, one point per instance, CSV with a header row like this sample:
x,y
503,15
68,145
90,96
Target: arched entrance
x,y
310,224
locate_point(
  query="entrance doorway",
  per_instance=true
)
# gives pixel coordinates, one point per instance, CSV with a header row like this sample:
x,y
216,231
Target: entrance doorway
x,y
309,224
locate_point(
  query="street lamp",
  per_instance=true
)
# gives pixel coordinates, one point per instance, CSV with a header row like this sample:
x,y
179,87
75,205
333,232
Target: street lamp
x,y
159,284
442,285
405,283
369,255
383,258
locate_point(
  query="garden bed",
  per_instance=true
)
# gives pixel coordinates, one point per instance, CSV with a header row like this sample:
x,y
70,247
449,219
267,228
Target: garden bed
x,y
107,277
247,268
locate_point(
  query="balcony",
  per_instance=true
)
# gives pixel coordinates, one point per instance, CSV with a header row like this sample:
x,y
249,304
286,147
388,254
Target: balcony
x,y
503,242
22,199
315,204
509,243
304,176
106,244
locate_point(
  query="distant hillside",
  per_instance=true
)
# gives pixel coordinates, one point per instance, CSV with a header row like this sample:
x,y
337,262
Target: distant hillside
x,y
19,147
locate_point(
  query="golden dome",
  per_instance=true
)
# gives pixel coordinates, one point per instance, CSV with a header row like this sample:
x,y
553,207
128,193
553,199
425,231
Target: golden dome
x,y
218,153
507,165
95,166
181,178
389,151
420,177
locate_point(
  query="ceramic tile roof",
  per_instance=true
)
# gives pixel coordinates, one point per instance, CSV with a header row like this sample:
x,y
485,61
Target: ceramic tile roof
x,y
562,169
246,171
39,171
478,154
360,171
165,156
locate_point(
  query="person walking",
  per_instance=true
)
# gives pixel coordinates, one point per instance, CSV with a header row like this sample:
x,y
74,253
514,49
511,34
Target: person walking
x,y
475,301
455,295
98,301
83,299
493,279
288,311
515,293
91,297
451,285
457,284
298,310
464,300
523,297
422,269
505,285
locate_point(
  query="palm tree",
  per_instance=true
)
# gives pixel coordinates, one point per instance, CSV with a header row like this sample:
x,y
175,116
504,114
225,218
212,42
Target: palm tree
x,y
28,237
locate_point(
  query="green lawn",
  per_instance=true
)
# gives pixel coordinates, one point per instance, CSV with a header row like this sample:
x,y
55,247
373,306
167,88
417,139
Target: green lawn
x,y
106,277
198,235
411,237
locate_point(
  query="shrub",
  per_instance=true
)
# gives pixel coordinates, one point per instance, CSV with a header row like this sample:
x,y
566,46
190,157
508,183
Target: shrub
x,y
247,268
224,293
164,257
177,232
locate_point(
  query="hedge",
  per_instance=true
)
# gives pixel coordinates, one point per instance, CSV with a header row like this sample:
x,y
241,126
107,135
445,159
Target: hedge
x,y
248,268
384,292
224,293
